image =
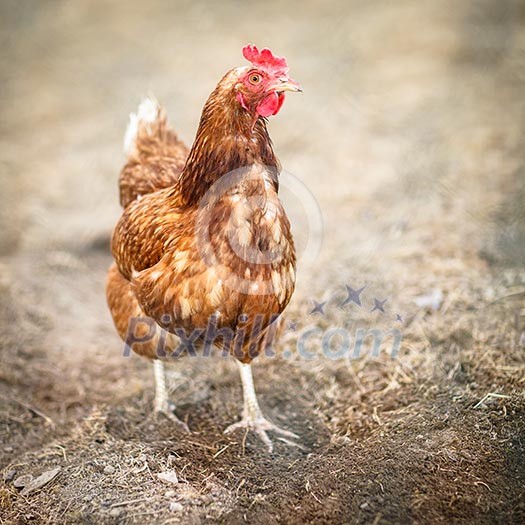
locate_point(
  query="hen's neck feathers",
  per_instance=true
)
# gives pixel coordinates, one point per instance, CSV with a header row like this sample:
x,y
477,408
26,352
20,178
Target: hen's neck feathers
x,y
227,139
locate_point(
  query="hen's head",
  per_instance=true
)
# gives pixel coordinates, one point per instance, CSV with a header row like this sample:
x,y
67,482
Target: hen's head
x,y
260,88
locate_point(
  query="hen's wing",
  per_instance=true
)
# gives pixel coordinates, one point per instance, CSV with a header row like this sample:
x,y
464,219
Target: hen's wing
x,y
147,227
156,155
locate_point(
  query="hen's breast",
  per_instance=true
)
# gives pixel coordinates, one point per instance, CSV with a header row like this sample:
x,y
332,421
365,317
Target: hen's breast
x,y
236,263
249,234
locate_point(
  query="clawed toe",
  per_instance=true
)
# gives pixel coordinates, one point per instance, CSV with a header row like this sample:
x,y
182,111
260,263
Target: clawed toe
x,y
261,426
167,412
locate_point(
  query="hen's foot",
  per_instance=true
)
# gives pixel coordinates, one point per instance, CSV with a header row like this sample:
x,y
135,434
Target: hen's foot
x,y
167,411
252,416
261,426
163,406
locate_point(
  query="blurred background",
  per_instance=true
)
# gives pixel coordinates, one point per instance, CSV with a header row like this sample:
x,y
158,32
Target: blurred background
x,y
410,136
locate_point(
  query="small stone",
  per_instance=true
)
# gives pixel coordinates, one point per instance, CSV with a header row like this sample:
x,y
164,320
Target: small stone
x,y
109,469
169,476
115,512
22,481
8,449
175,506
364,506
9,476
169,493
431,300
40,481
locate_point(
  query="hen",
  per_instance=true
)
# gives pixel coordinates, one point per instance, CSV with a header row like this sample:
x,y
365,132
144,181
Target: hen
x,y
204,255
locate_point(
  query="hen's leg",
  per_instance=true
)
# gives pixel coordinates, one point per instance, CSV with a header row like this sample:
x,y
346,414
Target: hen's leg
x,y
162,404
252,416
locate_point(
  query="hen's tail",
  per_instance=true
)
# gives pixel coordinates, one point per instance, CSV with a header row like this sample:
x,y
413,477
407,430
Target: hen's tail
x,y
155,153
148,130
146,121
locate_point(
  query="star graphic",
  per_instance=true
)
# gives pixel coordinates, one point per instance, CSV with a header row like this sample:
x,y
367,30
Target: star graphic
x,y
399,318
379,305
318,307
353,296
292,325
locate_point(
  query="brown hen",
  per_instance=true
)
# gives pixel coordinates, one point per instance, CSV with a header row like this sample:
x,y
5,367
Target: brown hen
x,y
204,255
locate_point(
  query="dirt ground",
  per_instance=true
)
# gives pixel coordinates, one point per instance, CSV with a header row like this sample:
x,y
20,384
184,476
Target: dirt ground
x,y
410,134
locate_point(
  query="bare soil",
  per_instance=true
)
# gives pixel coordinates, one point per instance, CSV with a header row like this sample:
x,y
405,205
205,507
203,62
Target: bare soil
x,y
410,135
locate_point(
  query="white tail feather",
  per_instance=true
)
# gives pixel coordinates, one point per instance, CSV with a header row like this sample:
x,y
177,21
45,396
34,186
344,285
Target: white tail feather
x,y
147,112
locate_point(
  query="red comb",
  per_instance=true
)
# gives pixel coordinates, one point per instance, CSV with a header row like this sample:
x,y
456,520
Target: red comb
x,y
265,59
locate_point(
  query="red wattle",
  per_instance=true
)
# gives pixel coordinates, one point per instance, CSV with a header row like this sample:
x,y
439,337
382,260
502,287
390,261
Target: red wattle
x,y
281,100
271,104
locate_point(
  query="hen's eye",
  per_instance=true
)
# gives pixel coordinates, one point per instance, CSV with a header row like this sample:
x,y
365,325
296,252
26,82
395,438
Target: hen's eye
x,y
255,79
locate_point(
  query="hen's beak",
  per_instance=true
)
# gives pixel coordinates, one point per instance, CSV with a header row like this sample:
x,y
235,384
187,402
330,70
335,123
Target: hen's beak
x,y
286,84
